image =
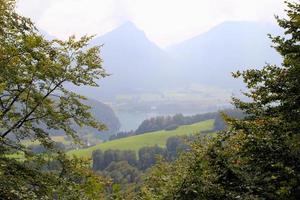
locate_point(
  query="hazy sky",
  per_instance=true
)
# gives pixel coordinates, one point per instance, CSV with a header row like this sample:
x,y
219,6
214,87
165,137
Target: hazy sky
x,y
164,21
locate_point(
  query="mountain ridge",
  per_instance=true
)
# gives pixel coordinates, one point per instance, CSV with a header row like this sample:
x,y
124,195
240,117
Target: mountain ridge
x,y
226,48
145,76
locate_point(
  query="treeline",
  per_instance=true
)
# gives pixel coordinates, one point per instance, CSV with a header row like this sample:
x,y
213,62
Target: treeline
x,y
122,134
126,167
173,122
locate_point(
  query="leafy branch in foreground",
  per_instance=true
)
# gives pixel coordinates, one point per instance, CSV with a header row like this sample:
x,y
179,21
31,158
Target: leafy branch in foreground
x,y
51,176
35,101
33,73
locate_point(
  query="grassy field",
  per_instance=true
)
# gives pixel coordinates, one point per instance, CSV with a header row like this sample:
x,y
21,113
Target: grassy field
x,y
148,139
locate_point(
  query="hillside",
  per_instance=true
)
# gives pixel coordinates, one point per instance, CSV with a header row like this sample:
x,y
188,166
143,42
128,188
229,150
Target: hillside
x,y
101,112
104,114
148,139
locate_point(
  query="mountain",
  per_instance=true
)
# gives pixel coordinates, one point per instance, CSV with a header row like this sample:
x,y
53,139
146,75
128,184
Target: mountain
x,y
209,58
191,77
104,114
135,63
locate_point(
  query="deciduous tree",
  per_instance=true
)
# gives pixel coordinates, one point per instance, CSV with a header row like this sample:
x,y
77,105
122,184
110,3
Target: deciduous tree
x,y
34,100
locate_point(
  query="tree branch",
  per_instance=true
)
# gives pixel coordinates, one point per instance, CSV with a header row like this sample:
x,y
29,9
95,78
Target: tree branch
x,y
8,107
19,123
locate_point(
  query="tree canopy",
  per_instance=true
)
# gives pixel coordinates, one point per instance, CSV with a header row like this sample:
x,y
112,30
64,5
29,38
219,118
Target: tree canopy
x,y
257,157
34,100
33,75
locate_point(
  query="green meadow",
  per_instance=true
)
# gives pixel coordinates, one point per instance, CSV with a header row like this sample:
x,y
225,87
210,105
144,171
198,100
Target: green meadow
x,y
147,139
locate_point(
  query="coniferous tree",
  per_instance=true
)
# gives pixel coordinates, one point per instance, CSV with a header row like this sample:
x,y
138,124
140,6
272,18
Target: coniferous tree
x,y
257,157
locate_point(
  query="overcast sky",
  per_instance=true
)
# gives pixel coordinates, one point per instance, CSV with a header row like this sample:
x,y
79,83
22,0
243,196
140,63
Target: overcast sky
x,y
164,21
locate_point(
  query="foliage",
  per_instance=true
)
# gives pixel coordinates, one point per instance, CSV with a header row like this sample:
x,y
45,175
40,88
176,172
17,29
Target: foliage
x,y
122,172
102,160
220,124
47,177
33,70
126,179
34,101
185,178
256,157
149,155
176,145
126,171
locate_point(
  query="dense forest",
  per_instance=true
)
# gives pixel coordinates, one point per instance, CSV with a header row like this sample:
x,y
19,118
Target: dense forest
x,y
126,168
255,154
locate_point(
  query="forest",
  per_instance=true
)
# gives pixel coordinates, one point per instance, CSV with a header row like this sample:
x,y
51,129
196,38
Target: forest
x,y
252,151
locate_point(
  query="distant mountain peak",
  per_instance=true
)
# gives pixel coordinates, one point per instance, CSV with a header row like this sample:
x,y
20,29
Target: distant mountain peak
x,y
127,30
128,24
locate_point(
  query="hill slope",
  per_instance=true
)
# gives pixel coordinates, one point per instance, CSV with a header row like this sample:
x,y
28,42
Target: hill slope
x,y
102,113
147,139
